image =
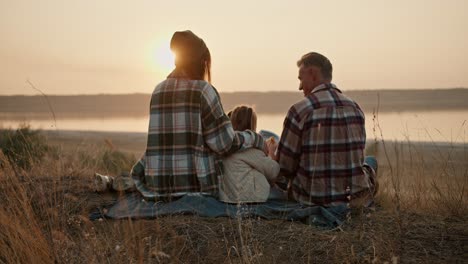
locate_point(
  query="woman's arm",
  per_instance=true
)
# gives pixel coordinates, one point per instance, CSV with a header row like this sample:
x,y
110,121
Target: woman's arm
x,y
259,161
217,128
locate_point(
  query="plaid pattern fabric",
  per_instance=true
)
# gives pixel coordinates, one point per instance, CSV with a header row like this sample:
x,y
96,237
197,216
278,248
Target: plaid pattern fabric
x,y
188,134
322,148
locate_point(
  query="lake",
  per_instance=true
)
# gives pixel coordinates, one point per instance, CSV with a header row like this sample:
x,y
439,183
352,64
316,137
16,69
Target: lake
x,y
437,126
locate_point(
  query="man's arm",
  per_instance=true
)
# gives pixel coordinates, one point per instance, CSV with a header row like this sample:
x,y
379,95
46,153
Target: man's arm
x,y
289,148
217,128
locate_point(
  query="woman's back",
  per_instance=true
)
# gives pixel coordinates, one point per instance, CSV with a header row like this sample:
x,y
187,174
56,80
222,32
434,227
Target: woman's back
x,y
176,156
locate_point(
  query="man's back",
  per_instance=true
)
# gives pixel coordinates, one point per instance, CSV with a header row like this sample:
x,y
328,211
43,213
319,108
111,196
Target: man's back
x,y
322,147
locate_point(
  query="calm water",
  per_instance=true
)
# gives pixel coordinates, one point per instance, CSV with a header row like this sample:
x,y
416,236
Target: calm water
x,y
445,126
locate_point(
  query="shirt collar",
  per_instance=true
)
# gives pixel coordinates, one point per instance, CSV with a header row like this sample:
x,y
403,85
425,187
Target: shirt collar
x,y
324,86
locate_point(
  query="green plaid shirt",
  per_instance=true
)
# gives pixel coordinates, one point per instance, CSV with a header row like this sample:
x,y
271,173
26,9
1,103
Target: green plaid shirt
x,y
187,137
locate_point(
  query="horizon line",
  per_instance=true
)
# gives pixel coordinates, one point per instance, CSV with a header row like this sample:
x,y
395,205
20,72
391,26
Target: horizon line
x,y
260,92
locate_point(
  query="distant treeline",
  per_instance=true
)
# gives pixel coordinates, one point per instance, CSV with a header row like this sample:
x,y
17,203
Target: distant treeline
x,y
265,102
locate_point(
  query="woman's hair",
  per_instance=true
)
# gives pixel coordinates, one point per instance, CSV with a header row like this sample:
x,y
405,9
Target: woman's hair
x,y
192,56
243,117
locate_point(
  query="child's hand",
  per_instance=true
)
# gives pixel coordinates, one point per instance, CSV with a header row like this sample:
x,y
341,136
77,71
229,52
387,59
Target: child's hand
x,y
271,148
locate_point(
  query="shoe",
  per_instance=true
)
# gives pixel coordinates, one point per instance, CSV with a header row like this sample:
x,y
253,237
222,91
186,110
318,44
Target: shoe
x,y
102,183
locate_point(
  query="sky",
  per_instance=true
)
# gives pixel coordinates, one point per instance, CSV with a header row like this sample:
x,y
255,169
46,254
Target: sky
x,y
116,46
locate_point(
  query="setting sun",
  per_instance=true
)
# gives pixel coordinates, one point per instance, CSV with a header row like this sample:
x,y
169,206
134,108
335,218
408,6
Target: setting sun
x,y
163,58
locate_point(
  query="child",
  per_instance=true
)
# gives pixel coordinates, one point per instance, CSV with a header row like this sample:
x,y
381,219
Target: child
x,y
247,174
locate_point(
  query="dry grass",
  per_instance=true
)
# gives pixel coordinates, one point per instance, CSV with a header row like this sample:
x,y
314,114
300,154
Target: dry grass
x,y
421,218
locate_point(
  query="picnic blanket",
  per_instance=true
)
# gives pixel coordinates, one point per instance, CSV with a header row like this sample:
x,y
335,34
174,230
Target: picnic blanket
x,y
133,206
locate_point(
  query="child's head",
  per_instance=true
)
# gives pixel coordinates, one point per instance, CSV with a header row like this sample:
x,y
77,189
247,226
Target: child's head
x,y
243,117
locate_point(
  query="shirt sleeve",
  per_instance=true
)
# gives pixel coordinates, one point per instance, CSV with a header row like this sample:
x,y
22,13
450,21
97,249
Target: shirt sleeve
x,y
138,170
217,128
289,147
138,174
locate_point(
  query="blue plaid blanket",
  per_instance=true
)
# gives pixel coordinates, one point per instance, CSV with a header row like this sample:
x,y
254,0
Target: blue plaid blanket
x,y
133,206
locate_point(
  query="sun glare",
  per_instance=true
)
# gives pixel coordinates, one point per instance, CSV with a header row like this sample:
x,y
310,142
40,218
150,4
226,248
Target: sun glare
x,y
163,58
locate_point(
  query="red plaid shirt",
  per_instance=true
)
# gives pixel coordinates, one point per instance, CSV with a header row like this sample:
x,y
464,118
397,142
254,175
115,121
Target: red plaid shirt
x,y
322,148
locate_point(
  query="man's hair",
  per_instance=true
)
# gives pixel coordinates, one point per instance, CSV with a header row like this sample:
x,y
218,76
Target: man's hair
x,y
318,60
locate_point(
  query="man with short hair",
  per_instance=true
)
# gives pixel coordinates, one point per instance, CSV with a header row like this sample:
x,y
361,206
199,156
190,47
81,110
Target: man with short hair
x,y
321,150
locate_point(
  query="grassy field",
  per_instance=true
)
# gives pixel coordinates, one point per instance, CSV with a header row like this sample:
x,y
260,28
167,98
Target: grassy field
x,y
420,217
